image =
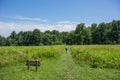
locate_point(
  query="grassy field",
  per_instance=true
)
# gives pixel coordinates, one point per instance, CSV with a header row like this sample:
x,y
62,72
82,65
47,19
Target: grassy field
x,y
57,65
106,56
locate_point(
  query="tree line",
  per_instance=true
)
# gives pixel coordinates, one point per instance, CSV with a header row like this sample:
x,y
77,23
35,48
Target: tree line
x,y
103,33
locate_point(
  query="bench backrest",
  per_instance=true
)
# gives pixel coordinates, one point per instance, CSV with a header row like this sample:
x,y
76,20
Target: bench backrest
x,y
33,63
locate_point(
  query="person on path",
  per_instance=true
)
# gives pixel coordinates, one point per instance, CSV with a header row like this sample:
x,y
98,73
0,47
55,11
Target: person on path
x,y
66,48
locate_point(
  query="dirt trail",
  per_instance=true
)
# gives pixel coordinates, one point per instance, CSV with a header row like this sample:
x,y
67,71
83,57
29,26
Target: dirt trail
x,y
68,67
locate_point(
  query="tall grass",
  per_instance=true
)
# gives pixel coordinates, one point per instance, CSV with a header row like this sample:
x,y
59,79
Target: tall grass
x,y
102,56
17,54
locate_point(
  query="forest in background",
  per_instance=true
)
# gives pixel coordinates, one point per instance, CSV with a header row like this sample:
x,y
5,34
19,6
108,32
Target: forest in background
x,y
103,33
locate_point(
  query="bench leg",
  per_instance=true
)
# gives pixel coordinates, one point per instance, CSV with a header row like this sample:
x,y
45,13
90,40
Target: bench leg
x,y
28,67
36,68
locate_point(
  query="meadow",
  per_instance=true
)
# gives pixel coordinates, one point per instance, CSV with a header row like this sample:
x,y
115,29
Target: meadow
x,y
97,56
16,54
83,62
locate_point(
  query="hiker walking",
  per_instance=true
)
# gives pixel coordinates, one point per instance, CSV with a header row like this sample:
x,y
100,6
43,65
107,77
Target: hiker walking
x,y
66,48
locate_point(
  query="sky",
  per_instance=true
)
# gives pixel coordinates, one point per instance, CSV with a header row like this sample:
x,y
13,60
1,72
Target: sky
x,y
61,15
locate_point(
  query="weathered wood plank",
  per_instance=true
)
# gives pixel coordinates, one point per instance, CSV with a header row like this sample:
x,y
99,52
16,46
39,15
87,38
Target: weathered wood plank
x,y
33,63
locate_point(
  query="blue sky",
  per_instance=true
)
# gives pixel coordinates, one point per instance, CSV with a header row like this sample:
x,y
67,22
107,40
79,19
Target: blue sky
x,y
62,15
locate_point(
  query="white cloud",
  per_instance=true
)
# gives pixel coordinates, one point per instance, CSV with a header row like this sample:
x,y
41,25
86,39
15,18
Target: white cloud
x,y
31,19
67,22
7,27
25,18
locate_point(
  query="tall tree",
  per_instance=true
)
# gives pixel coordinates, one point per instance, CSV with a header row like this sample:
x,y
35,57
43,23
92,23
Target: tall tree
x,y
87,38
79,33
70,38
56,37
115,32
12,39
2,41
93,33
20,38
37,37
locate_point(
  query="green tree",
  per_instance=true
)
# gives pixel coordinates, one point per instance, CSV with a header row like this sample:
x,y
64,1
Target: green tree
x,y
56,37
37,37
87,38
47,38
93,33
2,41
115,32
79,33
64,37
12,39
70,38
20,38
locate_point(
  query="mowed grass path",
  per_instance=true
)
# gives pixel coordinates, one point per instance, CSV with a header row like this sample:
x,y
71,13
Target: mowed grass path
x,y
62,68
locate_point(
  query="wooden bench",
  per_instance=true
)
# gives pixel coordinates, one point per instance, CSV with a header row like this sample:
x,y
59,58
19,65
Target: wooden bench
x,y
33,63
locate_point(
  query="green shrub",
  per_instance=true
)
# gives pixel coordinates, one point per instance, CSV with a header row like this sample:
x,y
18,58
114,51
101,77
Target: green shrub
x,y
19,54
97,56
